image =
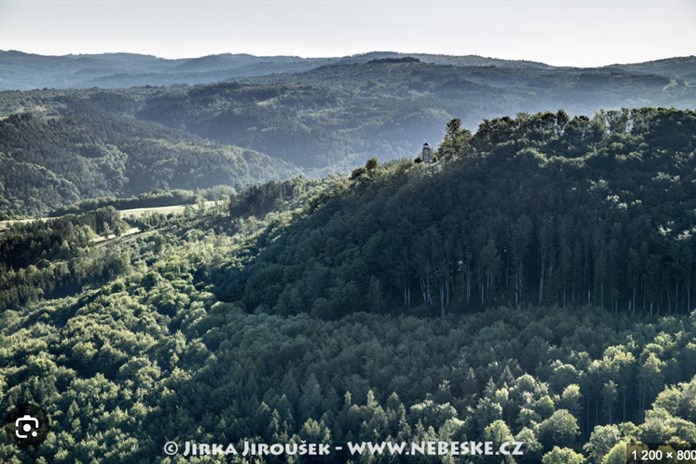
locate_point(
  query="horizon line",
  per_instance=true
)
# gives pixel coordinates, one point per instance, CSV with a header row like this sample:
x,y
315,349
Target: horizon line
x,y
144,54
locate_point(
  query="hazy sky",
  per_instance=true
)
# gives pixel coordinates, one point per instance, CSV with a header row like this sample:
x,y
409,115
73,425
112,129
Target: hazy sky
x,y
580,33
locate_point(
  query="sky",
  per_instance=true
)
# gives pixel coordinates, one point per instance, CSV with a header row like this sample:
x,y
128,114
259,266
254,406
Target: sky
x,y
569,33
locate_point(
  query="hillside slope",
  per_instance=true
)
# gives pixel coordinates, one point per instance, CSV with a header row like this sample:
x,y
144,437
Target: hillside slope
x,y
336,114
50,161
541,209
342,113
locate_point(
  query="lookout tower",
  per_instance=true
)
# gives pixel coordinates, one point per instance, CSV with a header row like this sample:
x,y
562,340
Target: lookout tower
x,y
427,154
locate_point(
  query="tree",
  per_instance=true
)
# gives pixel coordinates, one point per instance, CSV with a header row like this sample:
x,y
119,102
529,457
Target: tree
x,y
532,448
678,400
602,440
375,298
571,399
562,456
617,455
497,432
456,139
650,379
519,237
609,397
315,432
560,429
372,164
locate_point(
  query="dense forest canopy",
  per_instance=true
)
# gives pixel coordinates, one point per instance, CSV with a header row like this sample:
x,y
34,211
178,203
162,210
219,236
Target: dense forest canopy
x,y
534,284
542,209
51,161
349,111
329,117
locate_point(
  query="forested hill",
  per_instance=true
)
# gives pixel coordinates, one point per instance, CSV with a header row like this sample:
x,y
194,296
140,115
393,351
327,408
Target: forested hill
x,y
345,112
682,68
337,113
540,209
52,160
26,71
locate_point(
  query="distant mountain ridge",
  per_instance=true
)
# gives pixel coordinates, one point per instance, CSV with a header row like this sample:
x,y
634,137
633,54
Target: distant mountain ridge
x,y
26,71
683,67
340,112
349,110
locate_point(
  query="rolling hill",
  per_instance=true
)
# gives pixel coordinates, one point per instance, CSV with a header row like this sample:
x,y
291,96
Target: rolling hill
x,y
51,162
326,115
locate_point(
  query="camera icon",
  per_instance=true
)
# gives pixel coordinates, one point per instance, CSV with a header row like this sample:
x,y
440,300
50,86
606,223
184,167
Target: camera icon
x,y
26,426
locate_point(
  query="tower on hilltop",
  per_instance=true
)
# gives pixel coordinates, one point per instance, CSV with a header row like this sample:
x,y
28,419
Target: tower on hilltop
x,y
427,157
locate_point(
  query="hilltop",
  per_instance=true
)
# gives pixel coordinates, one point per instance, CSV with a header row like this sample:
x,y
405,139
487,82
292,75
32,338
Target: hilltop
x,y
542,209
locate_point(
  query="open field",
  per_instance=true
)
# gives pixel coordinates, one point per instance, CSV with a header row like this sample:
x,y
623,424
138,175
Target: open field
x,y
7,224
176,209
102,239
125,213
